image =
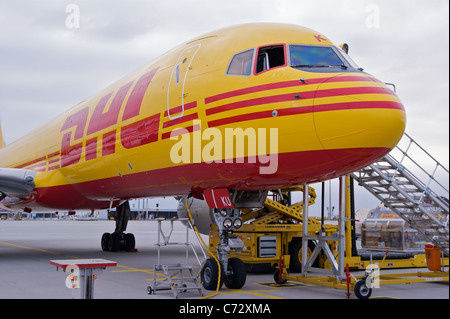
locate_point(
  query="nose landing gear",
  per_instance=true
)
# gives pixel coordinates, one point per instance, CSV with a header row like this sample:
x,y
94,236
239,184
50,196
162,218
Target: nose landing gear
x,y
227,217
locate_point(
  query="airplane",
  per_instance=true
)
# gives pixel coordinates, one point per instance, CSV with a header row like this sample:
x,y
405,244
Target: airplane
x,y
220,120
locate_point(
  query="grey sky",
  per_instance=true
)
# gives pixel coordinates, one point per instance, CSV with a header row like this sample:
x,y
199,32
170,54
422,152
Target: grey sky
x,y
46,67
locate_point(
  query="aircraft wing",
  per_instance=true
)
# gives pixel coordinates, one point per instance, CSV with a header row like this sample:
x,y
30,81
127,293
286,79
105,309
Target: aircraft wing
x,y
16,182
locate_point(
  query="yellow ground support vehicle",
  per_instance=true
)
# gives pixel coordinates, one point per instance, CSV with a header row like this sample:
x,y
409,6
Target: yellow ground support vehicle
x,y
274,235
274,231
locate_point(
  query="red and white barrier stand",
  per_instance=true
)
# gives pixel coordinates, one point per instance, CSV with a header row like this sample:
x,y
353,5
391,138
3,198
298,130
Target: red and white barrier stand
x,y
82,273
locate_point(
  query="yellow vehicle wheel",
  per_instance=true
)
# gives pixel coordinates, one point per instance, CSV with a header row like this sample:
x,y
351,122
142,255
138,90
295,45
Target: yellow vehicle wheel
x,y
296,254
361,290
277,277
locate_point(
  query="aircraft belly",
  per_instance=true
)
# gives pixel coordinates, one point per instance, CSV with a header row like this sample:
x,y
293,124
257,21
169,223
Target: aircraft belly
x,y
293,169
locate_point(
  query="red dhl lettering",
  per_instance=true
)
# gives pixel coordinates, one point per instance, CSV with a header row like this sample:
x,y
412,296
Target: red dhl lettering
x,y
71,154
91,149
140,133
132,135
133,106
109,143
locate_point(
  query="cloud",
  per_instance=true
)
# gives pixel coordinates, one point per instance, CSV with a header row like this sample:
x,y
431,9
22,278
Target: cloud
x,y
46,67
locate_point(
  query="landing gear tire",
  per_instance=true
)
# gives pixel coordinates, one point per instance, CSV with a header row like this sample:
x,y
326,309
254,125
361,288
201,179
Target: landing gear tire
x,y
115,242
236,274
130,242
105,241
361,290
210,275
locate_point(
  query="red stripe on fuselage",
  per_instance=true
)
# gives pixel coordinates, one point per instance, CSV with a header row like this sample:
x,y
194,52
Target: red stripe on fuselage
x,y
179,131
252,102
359,105
293,169
180,120
43,158
308,109
298,96
286,84
179,109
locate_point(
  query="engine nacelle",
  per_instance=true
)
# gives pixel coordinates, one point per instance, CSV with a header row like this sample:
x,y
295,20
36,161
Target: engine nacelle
x,y
202,215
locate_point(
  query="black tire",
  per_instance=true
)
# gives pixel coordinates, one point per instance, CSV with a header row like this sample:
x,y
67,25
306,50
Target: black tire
x,y
238,274
130,241
296,254
361,290
150,290
114,242
105,241
276,277
210,275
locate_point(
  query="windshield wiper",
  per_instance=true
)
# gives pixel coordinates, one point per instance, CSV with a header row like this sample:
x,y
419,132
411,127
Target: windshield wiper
x,y
318,66
340,66
308,66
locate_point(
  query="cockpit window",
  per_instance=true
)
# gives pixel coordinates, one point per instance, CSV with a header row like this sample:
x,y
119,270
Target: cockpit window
x,y
348,59
270,57
241,63
314,56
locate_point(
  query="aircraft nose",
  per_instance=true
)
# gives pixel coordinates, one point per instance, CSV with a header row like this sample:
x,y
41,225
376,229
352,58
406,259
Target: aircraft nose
x,y
357,117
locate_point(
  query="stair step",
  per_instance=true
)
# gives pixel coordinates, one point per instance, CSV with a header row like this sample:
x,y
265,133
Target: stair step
x,y
399,189
177,267
186,288
183,278
385,167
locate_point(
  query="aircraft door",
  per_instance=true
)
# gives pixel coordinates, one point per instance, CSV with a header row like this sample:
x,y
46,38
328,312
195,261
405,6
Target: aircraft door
x,y
177,87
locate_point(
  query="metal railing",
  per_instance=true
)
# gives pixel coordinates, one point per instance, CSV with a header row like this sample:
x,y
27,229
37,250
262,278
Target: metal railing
x,y
415,192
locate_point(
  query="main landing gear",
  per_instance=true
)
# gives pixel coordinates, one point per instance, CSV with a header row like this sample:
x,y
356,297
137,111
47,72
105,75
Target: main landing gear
x,y
118,240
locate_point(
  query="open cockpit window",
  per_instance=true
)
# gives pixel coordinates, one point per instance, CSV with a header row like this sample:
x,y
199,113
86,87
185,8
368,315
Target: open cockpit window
x,y
270,57
241,63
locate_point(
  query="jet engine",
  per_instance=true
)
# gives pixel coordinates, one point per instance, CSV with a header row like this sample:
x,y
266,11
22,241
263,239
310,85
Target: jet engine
x,y
202,215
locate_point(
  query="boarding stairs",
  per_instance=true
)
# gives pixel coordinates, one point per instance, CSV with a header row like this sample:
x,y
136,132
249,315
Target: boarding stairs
x,y
414,192
179,277
176,277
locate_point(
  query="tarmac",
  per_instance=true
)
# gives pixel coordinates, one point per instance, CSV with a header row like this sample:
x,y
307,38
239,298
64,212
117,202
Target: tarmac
x,y
26,248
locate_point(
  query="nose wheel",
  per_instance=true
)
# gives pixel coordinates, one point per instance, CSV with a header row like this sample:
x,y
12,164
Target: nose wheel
x,y
210,275
224,208
236,274
233,278
232,270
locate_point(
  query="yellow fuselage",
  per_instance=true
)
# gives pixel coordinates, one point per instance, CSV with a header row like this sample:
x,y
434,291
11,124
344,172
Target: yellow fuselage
x,y
116,145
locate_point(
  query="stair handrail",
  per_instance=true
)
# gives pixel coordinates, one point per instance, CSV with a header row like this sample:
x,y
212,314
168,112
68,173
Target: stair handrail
x,y
426,190
424,186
